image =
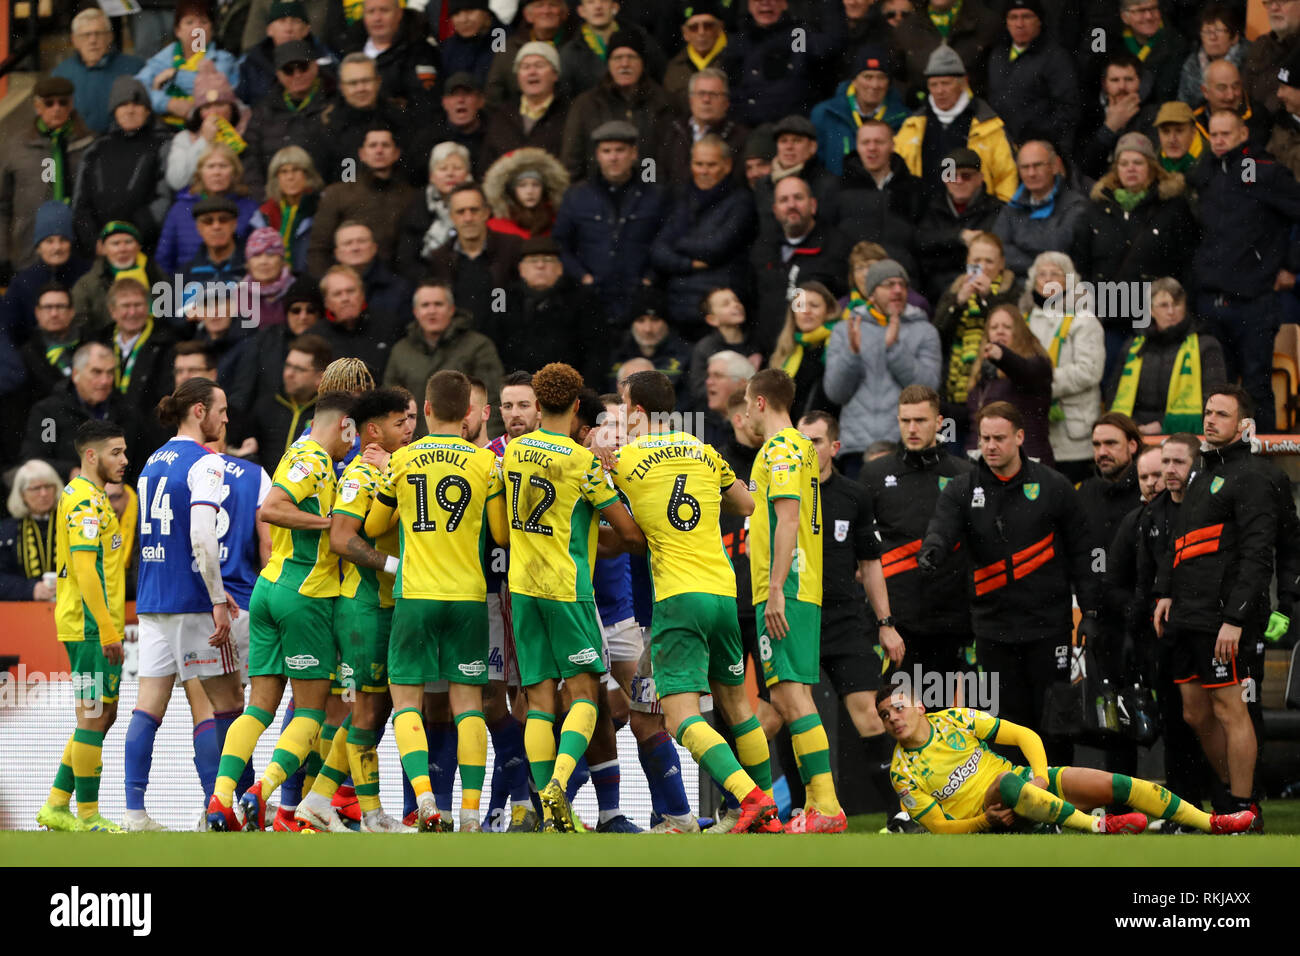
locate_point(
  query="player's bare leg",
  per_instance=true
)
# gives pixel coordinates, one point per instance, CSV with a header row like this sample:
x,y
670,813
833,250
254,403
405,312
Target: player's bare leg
x,y
1198,713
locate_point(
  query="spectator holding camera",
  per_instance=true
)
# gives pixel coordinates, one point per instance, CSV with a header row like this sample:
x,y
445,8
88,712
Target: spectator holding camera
x,y
1011,366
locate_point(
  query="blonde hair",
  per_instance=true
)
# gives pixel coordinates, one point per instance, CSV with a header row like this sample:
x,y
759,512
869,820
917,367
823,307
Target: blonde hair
x,y
346,375
292,156
860,255
1023,341
236,169
785,341
33,471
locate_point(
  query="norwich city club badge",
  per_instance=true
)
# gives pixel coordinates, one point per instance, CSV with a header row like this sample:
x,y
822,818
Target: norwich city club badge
x,y
943,482
1031,491
1216,484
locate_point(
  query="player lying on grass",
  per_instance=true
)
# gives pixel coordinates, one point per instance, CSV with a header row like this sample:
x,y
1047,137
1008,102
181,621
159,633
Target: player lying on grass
x,y
950,782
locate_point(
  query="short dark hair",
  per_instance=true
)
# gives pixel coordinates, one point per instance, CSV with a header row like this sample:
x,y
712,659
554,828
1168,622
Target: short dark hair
x,y
774,385
517,378
1001,410
1245,404
653,391
467,187
590,407
320,351
447,393
93,431
476,382
172,409
194,347
1123,423
379,403
1125,59
1192,443
736,399
49,287
916,394
832,423
341,402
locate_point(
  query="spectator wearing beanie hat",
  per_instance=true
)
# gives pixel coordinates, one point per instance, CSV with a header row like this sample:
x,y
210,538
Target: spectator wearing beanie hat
x,y
626,92
261,375
880,348
121,175
264,255
1284,144
1031,80
469,48
539,21
56,262
536,114
121,256
970,29
650,335
170,74
94,65
584,59
286,22
216,116
952,117
52,141
868,93
704,31
321,18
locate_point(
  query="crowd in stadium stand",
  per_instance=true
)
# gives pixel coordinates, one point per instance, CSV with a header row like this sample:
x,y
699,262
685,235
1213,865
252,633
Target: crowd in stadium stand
x,y
1074,207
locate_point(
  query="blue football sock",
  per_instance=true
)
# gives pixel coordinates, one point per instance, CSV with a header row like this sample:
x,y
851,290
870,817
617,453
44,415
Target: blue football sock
x,y
441,738
207,755
499,794
664,773
581,774
508,745
605,778
224,719
139,756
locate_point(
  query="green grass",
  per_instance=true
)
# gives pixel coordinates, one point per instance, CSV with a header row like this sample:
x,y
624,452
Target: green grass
x,y
1281,847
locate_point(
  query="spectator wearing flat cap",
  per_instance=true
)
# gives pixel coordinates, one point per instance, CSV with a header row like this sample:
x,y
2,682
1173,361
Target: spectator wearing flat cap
x,y
548,317
703,243
292,114
607,223
40,163
650,335
709,101
461,120
584,57
410,69
880,348
217,174
970,29
122,173
121,256
626,92
536,114
704,30
867,94
1284,144
216,116
951,220
170,74
768,77
285,22
1181,144
795,155
220,256
93,66
1031,80
952,117
56,262
469,48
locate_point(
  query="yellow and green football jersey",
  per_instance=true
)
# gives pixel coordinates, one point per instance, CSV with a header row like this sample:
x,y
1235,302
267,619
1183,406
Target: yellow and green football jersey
x,y
301,559
674,483
786,467
87,522
441,486
356,490
554,488
951,771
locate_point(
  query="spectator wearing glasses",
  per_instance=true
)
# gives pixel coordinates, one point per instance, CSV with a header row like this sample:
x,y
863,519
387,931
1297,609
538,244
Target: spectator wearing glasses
x,y
705,34
285,22
1220,39
39,164
217,175
953,219
1269,51
93,66
1045,211
708,100
1160,47
27,554
360,106
304,310
291,114
47,353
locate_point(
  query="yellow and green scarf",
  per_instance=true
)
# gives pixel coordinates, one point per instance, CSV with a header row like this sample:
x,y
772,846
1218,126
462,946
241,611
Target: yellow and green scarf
x,y
126,364
137,271
181,62
966,344
1183,402
816,337
1056,413
701,62
943,21
59,153
1139,50
594,40
230,136
36,549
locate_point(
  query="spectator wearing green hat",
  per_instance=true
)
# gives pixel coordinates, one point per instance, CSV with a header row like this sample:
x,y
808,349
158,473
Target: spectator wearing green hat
x,y
121,255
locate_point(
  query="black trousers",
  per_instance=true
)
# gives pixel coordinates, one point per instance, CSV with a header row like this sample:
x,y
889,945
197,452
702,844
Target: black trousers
x,y
1018,677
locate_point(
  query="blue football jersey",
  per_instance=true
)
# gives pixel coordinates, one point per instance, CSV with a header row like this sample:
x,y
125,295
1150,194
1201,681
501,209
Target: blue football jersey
x,y
245,490
180,475
612,582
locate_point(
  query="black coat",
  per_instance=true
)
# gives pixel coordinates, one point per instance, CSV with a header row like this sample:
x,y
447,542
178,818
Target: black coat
x,y
887,215
410,71
559,324
345,129
273,126
61,414
822,256
1156,239
371,340
767,80
1104,504
504,131
121,177
825,187
1159,354
1038,91
940,251
713,227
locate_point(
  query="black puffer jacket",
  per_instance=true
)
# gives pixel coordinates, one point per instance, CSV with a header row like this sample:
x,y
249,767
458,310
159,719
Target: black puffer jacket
x,y
713,226
888,214
121,177
1156,239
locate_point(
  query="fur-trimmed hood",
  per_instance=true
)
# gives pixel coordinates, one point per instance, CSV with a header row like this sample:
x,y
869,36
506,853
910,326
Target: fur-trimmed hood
x,y
555,180
1168,185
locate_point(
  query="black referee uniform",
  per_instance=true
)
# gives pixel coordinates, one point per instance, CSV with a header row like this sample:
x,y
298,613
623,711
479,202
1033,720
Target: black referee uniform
x,y
848,631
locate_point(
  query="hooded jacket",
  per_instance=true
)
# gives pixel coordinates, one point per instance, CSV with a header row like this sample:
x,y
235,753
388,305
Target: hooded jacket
x,y
121,177
867,383
501,174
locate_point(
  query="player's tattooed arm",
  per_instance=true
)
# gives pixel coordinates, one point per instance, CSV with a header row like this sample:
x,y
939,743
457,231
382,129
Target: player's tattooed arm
x,y
358,552
346,542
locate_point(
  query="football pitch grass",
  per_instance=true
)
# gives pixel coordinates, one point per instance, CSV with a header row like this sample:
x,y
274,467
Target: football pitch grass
x,y
862,846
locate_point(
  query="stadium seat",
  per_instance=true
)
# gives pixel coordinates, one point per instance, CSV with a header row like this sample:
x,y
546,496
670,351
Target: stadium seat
x,y
1285,378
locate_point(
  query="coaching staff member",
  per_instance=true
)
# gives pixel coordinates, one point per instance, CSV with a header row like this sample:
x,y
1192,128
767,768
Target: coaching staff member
x,y
1019,523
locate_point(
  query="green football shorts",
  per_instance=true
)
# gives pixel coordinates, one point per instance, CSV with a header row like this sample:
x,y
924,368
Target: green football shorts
x,y
555,639
290,635
695,638
93,677
361,631
438,640
797,656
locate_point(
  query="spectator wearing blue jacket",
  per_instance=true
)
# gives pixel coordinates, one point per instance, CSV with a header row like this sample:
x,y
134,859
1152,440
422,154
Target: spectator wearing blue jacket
x,y
217,174
867,94
285,22
469,48
94,66
52,236
170,73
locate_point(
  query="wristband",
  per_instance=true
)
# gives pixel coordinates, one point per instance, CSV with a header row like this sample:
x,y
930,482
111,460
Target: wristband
x,y
885,621
390,566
